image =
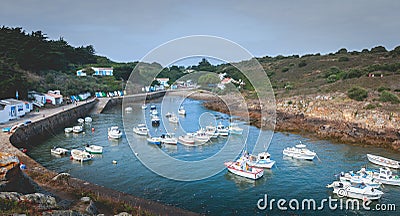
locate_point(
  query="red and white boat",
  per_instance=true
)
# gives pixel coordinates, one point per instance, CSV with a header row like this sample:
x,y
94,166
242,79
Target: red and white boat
x,y
242,168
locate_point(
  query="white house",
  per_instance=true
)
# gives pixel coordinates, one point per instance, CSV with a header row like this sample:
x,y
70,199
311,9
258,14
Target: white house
x,y
102,71
54,96
163,81
11,109
81,72
38,99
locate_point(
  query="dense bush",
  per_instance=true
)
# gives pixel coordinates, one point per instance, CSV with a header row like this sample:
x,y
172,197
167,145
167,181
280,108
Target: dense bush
x,y
357,93
353,73
343,59
389,97
302,64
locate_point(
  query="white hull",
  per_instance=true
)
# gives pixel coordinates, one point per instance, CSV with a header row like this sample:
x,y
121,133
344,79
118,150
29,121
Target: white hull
x,y
88,119
77,129
251,172
81,120
382,161
128,109
80,155
114,133
59,151
68,130
154,140
266,164
345,189
94,149
299,152
187,140
139,131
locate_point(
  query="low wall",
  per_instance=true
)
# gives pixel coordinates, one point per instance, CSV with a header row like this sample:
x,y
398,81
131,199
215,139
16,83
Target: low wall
x,y
132,99
31,134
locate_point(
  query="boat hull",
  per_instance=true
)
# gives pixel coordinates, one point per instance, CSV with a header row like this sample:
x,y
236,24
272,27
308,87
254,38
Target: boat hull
x,y
382,161
251,173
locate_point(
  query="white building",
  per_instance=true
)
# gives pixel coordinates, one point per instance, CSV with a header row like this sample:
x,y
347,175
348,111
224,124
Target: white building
x,y
54,96
81,72
163,81
11,109
102,71
38,99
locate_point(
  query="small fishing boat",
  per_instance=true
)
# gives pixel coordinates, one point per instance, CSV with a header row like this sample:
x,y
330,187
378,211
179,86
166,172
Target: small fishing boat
x,y
155,120
114,132
80,155
144,106
154,140
68,129
173,119
299,152
128,109
359,179
6,130
222,130
169,138
181,111
168,115
141,129
382,161
59,151
88,119
94,149
358,191
242,168
81,120
153,107
201,136
262,160
235,129
187,139
385,176
77,129
211,131
154,112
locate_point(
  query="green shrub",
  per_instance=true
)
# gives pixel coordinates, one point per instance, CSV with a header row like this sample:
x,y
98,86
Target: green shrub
x,y
383,88
370,106
353,73
389,97
343,59
285,69
332,78
302,64
357,93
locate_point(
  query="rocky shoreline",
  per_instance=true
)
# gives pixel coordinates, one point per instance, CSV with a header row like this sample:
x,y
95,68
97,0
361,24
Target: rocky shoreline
x,y
333,117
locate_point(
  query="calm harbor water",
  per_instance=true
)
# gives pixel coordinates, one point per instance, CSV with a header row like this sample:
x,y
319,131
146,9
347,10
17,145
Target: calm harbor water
x,y
223,193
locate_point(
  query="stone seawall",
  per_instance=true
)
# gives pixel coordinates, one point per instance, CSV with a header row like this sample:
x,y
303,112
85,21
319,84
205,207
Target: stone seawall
x,y
112,102
27,136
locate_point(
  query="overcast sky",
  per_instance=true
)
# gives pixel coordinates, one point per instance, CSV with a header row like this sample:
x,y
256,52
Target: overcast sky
x,y
126,30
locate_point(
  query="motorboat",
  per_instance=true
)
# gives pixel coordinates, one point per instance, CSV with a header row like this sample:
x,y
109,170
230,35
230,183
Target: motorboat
x,y
187,139
59,151
168,115
173,119
128,109
222,130
299,152
154,112
114,132
242,168
261,160
155,120
141,129
77,129
211,131
153,107
68,130
201,136
169,138
94,149
181,111
385,176
88,119
359,179
144,106
357,191
81,120
382,161
154,140
235,129
80,155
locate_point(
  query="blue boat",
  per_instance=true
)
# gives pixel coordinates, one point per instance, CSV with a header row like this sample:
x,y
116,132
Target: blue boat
x,y
154,140
6,130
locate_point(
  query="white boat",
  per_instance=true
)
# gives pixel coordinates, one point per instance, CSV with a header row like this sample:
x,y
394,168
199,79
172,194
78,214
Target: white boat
x,y
94,149
181,111
222,130
77,129
154,112
211,131
155,120
262,160
59,151
144,107
168,115
358,191
382,161
114,132
128,109
154,140
173,119
68,129
80,155
385,176
299,152
242,168
201,136
153,107
187,139
88,119
81,120
169,138
359,179
141,129
235,129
